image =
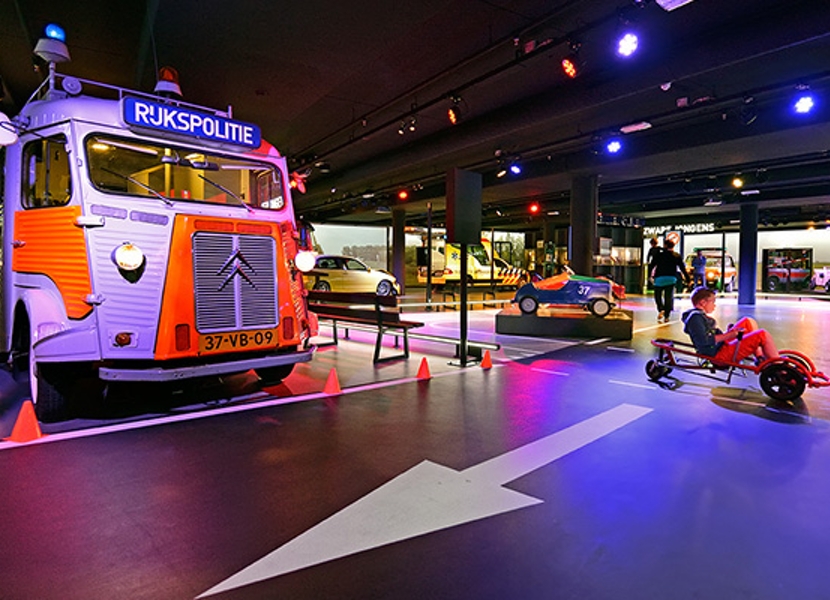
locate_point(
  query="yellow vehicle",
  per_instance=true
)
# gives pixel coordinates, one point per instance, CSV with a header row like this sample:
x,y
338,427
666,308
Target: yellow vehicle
x,y
482,266
348,274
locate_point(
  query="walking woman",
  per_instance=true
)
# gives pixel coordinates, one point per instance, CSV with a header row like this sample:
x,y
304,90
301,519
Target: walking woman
x,y
668,266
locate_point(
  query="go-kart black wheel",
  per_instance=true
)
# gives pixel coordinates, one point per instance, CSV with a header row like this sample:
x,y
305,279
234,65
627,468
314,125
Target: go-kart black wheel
x,y
599,307
655,371
528,305
781,381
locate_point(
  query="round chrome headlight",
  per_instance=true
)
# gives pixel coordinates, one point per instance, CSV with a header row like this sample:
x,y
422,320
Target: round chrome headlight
x,y
128,257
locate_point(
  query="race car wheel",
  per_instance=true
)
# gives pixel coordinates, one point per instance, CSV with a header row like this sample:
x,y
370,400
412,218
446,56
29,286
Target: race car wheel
x,y
781,381
773,284
528,305
600,307
322,286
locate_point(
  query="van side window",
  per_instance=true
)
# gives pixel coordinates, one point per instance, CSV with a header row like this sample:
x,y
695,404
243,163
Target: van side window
x,y
46,173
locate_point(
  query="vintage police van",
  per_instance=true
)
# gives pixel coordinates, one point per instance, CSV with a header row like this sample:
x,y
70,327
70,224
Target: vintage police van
x,y
144,239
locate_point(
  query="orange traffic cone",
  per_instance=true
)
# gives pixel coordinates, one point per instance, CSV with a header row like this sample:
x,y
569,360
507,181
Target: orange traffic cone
x,y
423,370
332,384
26,428
486,362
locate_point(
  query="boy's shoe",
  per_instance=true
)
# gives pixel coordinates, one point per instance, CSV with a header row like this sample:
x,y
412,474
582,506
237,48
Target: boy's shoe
x,y
661,318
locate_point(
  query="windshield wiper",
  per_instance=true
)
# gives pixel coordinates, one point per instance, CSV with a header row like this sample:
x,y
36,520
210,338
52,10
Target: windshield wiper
x,y
227,191
158,195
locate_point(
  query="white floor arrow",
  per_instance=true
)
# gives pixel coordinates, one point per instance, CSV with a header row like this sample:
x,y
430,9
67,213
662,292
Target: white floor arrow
x,y
426,498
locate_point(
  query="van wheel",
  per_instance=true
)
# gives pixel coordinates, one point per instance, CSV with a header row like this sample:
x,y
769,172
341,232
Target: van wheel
x,y
46,381
772,284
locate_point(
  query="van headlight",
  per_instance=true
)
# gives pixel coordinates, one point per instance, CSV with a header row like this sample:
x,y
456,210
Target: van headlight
x,y
130,261
304,261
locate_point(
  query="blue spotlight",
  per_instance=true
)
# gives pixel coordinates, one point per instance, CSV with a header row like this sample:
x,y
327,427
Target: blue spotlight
x,y
516,169
804,104
627,44
613,146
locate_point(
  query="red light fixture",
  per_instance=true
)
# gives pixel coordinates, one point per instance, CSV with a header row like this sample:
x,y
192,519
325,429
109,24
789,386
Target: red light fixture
x,y
534,208
403,195
572,64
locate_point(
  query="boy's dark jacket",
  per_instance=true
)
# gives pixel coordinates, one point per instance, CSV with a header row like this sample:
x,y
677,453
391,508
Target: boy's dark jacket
x,y
702,329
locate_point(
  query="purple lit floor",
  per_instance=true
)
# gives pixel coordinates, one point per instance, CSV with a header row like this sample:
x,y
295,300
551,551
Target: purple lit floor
x,y
455,487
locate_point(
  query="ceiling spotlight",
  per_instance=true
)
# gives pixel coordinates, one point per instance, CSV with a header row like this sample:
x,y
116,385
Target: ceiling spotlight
x,y
515,168
748,114
457,111
737,182
613,146
634,127
402,128
627,44
670,5
572,64
501,172
804,101
403,195
412,124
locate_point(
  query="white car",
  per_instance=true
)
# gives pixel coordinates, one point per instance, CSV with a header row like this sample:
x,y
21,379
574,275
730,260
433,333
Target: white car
x,y
334,273
821,278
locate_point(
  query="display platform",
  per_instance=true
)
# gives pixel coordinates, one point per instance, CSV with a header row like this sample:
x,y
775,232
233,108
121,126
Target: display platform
x,y
566,322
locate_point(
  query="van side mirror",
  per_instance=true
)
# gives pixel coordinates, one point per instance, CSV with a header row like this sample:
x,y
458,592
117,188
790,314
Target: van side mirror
x,y
8,132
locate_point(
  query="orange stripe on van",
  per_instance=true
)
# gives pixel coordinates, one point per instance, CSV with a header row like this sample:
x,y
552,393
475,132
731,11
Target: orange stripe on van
x,y
51,244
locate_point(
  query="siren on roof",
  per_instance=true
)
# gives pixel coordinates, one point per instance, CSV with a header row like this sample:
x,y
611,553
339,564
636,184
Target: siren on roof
x,y
168,83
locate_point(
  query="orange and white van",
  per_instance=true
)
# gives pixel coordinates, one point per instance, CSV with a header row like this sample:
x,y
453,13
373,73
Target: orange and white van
x,y
144,239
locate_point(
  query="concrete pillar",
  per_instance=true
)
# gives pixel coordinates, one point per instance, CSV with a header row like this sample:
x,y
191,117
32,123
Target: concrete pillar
x,y
583,236
748,253
399,247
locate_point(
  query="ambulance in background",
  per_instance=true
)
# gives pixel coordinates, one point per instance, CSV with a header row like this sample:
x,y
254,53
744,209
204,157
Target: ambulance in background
x,y
144,239
483,267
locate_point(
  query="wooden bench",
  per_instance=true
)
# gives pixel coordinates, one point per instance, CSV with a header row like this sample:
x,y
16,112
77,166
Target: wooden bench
x,y
367,309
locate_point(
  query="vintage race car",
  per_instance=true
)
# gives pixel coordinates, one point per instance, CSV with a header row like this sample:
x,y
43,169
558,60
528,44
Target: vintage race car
x,y
566,289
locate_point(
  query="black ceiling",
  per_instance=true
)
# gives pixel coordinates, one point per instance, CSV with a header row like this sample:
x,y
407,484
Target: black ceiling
x,y
331,81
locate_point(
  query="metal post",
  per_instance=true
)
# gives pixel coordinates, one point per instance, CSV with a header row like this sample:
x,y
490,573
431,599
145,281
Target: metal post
x,y
462,348
429,255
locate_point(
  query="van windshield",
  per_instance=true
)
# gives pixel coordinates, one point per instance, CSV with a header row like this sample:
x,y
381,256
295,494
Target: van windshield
x,y
138,168
480,254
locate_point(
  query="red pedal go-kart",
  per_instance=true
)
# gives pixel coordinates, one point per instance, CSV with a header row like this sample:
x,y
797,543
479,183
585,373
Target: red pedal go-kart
x,y
783,378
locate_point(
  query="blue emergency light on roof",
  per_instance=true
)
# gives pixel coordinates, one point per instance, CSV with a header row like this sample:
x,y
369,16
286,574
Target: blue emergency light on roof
x,y
55,32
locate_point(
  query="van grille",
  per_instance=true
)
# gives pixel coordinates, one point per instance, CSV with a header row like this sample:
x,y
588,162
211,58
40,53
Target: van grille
x,y
235,282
